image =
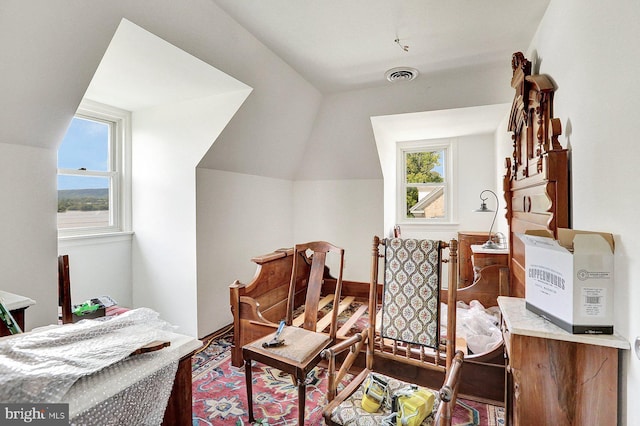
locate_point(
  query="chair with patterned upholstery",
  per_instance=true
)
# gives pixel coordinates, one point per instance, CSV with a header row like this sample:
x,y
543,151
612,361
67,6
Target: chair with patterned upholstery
x,y
301,348
406,342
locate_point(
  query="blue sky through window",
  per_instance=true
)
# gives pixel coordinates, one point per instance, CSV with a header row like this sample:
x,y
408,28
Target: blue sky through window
x,y
440,167
86,145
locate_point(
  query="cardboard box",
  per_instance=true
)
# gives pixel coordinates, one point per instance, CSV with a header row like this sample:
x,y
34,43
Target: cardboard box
x,y
570,281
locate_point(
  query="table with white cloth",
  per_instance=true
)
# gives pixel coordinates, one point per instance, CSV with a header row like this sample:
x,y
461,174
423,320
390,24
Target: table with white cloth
x,y
135,378
87,365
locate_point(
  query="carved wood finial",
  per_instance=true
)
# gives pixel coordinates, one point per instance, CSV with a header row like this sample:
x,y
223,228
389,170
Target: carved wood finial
x,y
555,130
518,61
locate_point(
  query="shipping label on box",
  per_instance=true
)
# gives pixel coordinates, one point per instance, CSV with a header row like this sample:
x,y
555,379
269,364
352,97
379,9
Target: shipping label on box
x,y
570,281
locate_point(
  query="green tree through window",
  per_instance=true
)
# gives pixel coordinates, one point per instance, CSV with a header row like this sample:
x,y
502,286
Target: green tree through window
x,y
421,168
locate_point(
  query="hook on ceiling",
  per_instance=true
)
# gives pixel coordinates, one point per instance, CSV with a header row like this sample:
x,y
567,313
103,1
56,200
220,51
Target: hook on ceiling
x,y
402,46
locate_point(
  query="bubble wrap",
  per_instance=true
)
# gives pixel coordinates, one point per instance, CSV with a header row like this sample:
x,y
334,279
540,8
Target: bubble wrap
x,y
42,365
141,404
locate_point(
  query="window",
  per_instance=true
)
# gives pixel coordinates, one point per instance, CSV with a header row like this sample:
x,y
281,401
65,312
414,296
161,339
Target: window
x,y
425,182
91,185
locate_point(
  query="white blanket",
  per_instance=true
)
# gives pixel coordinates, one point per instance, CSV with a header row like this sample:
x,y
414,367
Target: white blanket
x,y
42,365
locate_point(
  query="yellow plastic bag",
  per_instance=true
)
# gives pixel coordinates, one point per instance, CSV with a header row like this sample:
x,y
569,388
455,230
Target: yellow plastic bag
x,y
375,392
413,406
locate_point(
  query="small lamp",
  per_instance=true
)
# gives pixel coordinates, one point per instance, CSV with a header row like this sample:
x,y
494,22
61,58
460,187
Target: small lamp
x,y
483,209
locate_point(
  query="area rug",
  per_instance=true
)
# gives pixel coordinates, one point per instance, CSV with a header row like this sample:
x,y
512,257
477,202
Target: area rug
x,y
219,394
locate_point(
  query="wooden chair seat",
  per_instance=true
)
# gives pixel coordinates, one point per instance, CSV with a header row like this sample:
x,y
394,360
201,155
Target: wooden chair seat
x,y
299,344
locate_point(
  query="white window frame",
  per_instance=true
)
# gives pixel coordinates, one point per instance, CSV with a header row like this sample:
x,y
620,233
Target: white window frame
x,y
120,169
449,146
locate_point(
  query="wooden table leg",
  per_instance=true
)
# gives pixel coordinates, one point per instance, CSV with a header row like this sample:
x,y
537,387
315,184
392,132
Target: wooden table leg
x,y
179,405
247,376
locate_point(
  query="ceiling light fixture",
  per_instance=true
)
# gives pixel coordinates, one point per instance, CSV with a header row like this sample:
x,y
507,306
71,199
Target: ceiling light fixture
x,y
401,74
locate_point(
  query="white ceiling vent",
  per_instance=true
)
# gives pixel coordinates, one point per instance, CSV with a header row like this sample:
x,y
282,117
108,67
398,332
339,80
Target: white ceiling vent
x,y
401,74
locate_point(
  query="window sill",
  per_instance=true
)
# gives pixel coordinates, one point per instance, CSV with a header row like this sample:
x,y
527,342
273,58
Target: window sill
x,y
440,226
103,238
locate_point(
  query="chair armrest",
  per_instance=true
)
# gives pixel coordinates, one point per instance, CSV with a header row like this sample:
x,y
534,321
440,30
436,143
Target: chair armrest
x,y
341,347
449,391
354,344
450,388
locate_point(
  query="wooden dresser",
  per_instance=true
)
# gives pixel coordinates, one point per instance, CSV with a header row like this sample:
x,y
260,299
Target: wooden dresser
x,y
554,377
465,266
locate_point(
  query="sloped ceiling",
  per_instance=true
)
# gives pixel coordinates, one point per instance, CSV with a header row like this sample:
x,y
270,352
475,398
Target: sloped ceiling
x,y
293,124
348,45
139,70
51,51
343,144
462,49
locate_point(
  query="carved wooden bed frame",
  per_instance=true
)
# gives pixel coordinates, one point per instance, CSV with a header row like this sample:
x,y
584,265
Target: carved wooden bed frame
x,y
258,306
536,180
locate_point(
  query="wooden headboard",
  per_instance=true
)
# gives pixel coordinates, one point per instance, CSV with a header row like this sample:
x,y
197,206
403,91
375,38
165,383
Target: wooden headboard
x,y
536,181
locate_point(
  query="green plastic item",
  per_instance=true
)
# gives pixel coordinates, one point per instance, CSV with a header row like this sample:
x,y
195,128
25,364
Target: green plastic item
x,y
85,308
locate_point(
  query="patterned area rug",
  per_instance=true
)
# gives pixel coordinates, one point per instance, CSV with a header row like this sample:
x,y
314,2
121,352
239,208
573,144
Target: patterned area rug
x,y
219,394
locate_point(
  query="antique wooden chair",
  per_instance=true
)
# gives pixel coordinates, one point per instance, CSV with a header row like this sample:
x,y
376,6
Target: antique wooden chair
x,y
404,345
301,348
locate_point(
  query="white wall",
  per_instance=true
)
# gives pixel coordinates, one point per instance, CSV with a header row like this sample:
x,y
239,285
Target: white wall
x,y
168,143
243,216
28,230
477,171
346,213
597,103
99,266
238,217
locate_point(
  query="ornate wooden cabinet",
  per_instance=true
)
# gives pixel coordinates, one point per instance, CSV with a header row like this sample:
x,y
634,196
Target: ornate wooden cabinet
x,y
536,181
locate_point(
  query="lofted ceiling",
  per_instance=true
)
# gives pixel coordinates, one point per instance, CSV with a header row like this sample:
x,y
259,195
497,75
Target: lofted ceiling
x,y
346,45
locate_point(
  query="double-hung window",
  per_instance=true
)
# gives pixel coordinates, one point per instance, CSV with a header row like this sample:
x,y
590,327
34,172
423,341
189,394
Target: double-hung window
x,y
91,189
425,186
